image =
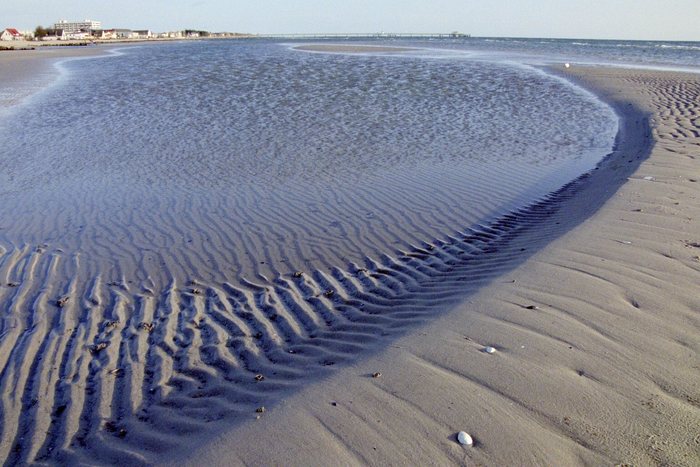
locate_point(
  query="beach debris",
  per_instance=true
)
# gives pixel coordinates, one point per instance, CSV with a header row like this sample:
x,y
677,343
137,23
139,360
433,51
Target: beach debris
x,y
649,178
334,403
149,327
260,409
297,274
567,65
328,293
259,377
116,371
689,244
112,427
489,349
465,439
196,291
531,307
13,284
61,302
97,348
376,375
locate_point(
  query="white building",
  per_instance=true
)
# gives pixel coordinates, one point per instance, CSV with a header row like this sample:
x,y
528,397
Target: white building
x,y
144,33
76,26
11,34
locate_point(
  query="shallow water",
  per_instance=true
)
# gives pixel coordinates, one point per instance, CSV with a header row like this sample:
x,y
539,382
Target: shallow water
x,y
249,152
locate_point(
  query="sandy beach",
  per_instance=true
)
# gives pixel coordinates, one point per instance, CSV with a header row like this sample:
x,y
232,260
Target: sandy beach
x,y
588,296
596,332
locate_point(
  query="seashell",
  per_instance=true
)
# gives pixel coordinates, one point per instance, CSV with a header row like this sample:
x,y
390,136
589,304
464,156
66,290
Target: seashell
x,y
489,349
464,438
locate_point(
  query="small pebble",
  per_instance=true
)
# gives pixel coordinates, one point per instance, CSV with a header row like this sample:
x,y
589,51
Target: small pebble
x,y
260,409
489,349
464,438
376,375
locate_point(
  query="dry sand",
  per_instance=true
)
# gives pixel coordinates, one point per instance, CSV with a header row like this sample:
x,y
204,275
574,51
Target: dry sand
x,y
590,297
597,334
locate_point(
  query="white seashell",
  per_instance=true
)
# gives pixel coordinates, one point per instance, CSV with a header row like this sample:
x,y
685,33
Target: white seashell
x,y
464,438
567,65
489,349
649,179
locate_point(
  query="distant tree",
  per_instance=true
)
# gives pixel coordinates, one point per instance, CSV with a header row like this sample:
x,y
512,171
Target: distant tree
x,y
40,32
188,32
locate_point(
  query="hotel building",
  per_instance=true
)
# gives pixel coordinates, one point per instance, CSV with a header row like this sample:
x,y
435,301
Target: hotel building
x,y
77,26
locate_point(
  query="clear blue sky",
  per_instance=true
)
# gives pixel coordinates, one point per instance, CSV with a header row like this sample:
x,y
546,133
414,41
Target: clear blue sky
x,y
603,19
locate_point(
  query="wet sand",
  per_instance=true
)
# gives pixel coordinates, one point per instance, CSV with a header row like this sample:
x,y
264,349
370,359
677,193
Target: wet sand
x,y
589,297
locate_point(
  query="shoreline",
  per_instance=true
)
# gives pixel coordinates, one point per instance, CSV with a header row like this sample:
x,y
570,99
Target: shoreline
x,y
29,72
452,295
25,45
586,370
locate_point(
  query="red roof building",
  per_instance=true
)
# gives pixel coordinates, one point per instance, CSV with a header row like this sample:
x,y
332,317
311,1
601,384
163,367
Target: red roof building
x,y
11,34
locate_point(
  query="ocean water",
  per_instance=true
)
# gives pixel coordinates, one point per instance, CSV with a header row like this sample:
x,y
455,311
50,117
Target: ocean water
x,y
245,157
535,51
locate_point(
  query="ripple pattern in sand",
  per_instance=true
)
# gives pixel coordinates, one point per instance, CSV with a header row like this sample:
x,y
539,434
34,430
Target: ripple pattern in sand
x,y
162,244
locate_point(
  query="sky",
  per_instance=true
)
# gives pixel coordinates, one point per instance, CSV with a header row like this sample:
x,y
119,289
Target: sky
x,y
590,19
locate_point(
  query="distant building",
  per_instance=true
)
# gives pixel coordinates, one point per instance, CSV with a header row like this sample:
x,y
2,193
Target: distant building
x,y
144,33
75,35
76,26
104,34
11,34
125,34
